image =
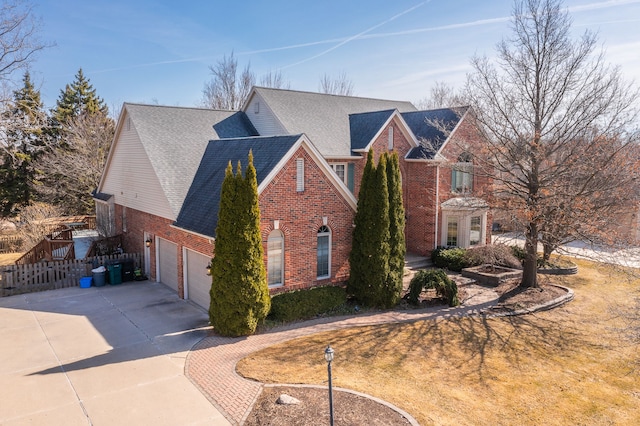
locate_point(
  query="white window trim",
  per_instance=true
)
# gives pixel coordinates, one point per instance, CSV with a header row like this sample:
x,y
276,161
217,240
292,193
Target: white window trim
x,y
281,238
322,234
346,168
464,227
466,169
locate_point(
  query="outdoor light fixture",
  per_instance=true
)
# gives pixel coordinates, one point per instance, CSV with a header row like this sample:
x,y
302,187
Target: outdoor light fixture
x,y
209,268
328,356
148,242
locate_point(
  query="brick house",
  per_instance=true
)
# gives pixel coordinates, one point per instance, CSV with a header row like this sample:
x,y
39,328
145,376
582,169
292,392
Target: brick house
x,y
161,185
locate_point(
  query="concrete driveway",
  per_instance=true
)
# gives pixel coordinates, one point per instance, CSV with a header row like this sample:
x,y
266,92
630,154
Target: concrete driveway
x,y
101,356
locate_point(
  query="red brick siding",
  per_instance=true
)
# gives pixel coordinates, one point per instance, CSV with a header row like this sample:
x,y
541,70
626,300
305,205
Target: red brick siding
x,y
300,216
140,222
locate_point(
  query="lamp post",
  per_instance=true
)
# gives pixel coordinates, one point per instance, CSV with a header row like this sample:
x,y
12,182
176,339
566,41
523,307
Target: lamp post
x,y
328,356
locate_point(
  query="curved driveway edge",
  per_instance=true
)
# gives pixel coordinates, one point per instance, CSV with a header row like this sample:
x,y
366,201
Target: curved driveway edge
x,y
211,363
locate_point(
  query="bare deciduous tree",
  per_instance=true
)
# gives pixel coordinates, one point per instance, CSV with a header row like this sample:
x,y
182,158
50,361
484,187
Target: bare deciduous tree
x,y
227,89
35,223
340,85
441,95
74,172
18,37
274,79
557,120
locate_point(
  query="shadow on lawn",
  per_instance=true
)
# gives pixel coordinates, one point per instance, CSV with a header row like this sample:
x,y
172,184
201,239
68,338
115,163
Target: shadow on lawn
x,y
474,339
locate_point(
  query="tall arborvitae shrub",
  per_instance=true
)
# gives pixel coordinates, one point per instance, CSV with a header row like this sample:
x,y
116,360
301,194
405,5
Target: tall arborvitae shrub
x,y
239,291
396,229
369,258
357,286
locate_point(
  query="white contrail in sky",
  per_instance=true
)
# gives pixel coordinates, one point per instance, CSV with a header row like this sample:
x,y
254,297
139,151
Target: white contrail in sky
x,y
357,36
364,35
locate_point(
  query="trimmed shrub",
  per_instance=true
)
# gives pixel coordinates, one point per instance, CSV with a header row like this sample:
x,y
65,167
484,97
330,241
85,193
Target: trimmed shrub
x,y
495,254
437,279
449,258
306,304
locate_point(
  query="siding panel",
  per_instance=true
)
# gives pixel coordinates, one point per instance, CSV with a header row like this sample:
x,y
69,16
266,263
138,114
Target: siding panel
x,y
131,178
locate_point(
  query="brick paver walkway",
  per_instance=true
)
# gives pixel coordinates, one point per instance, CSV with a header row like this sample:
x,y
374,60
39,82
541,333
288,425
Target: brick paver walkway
x,y
211,363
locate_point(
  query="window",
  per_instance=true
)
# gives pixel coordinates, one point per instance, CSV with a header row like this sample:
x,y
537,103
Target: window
x,y
452,231
341,170
463,228
475,230
300,174
324,253
275,258
256,108
462,174
390,142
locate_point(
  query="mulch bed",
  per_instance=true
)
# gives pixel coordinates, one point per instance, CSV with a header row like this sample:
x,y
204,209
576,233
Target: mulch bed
x,y
349,409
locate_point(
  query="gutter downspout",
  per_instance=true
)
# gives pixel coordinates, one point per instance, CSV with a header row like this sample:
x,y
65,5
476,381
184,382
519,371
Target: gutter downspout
x,y
437,203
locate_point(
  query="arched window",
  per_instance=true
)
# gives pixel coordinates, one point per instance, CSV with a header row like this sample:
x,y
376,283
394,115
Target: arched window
x,y
324,253
462,174
275,258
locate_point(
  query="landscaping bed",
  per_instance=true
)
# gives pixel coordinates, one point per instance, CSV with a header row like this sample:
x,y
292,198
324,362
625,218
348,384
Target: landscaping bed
x,y
349,409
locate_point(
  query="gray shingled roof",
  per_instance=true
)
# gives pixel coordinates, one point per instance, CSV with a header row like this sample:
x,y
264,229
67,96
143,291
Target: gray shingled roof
x,y
430,136
365,126
200,209
175,138
323,118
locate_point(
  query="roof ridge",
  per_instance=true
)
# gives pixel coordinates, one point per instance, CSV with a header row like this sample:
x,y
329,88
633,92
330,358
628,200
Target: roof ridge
x,y
329,94
297,135
463,107
178,107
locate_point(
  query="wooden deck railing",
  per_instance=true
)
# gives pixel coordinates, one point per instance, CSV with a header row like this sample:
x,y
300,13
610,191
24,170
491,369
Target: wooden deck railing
x,y
58,245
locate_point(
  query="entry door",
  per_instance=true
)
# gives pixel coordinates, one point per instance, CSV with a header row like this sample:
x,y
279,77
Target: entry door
x,y
198,282
168,263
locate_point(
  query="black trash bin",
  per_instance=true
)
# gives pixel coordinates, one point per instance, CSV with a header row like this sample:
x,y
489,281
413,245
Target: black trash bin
x,y
128,268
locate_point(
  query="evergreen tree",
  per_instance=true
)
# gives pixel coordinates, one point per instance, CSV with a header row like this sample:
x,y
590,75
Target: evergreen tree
x,y
396,229
239,291
369,257
81,131
76,99
24,122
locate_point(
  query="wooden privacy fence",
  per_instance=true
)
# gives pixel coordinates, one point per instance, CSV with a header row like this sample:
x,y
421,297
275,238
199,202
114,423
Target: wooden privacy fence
x,y
29,278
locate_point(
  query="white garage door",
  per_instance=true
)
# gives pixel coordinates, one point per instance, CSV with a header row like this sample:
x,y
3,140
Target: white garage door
x,y
168,263
198,282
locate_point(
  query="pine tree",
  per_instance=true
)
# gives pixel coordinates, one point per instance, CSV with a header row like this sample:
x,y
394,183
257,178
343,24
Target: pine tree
x,y
396,229
24,122
239,291
81,132
76,99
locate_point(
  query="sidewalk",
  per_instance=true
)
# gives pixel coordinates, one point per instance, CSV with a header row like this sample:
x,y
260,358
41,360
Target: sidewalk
x,y
211,363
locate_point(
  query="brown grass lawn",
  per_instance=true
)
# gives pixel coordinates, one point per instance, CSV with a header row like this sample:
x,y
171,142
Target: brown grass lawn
x,y
9,258
565,366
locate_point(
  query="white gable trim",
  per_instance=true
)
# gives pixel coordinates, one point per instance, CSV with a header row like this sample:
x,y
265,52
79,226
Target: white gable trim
x,y
451,134
313,152
404,128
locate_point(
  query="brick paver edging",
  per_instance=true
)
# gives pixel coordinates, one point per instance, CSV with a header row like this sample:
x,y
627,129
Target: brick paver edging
x,y
211,363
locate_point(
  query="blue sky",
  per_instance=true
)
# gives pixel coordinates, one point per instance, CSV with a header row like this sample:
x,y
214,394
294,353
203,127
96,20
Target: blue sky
x,y
160,51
